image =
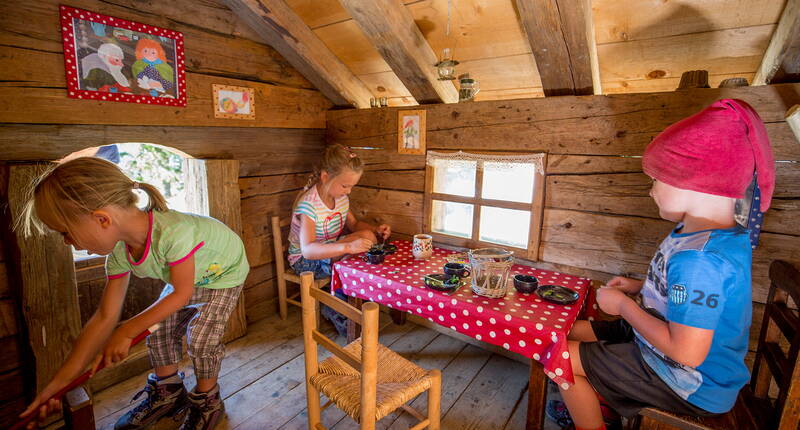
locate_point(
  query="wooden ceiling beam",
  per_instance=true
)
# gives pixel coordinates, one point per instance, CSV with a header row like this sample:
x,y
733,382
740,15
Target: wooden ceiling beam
x,y
392,30
781,62
559,33
282,29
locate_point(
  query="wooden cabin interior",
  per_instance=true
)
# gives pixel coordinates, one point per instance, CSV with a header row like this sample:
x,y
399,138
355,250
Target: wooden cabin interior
x,y
586,83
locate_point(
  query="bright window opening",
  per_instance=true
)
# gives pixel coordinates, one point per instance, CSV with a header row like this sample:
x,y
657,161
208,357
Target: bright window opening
x,y
501,194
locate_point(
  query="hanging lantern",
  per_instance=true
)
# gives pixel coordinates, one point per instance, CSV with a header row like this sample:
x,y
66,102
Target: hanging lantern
x,y
446,68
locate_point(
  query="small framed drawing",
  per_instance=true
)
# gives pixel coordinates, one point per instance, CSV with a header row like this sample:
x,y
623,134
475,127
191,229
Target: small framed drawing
x,y
113,59
234,102
411,132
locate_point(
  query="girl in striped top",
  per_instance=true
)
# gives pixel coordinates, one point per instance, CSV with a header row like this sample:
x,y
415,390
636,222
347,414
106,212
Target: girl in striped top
x,y
322,211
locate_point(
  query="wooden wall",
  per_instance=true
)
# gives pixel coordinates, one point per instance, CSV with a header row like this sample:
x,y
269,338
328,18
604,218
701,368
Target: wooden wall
x,y
599,219
38,122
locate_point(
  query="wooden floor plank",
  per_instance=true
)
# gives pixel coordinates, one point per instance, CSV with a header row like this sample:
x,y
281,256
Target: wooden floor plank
x,y
489,400
262,381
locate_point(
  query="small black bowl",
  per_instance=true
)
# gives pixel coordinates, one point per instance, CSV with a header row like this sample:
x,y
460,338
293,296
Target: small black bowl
x,y
374,256
525,284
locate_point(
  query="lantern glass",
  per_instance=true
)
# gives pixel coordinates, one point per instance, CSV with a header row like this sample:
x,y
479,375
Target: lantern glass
x,y
446,68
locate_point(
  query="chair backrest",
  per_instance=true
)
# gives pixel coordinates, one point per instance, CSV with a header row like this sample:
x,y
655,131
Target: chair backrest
x,y
277,241
366,364
771,361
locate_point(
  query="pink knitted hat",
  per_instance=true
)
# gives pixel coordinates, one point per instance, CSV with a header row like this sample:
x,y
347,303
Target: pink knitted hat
x,y
715,151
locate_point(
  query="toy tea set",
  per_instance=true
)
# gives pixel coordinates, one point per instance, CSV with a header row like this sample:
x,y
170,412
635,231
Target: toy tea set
x,y
487,270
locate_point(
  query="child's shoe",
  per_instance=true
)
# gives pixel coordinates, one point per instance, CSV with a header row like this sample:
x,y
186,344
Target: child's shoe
x,y
165,397
205,410
557,411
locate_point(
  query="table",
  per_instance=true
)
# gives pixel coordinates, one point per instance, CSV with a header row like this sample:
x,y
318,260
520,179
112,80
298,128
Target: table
x,y
522,323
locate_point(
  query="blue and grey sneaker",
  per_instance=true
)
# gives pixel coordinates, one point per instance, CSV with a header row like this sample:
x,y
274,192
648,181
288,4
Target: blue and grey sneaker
x,y
557,411
205,410
165,397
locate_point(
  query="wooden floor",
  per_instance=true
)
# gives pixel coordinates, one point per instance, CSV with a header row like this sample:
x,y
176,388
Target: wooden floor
x,y
262,381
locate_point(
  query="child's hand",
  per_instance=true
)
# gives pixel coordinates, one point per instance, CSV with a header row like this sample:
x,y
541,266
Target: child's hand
x,y
117,347
41,406
384,231
626,285
610,300
358,246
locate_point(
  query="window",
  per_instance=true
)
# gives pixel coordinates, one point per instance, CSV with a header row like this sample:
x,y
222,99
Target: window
x,y
480,200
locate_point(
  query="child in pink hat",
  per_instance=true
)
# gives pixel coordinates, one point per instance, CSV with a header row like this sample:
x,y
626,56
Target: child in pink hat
x,y
681,350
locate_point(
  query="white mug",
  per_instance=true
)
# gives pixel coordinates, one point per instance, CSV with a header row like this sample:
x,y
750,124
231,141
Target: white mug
x,y
422,247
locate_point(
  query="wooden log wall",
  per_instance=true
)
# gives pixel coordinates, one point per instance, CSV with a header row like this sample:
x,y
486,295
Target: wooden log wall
x,y
39,122
599,220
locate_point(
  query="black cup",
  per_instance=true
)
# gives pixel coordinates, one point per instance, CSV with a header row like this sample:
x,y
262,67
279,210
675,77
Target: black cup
x,y
525,283
456,269
374,256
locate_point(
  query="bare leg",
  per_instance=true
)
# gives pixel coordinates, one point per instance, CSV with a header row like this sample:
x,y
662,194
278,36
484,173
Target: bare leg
x,y
165,371
204,385
582,331
581,399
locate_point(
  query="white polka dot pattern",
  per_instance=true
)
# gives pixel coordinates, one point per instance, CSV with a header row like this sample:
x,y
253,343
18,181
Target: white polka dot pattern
x,y
522,323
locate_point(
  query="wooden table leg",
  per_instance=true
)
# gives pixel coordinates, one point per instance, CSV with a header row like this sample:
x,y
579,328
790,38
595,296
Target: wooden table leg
x,y
537,396
399,317
353,329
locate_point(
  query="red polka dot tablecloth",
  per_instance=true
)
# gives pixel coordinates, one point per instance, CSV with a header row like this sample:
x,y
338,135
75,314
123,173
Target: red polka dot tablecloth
x,y
522,323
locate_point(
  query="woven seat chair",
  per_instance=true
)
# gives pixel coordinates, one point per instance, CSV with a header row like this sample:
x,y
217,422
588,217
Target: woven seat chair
x,y
364,379
285,274
754,409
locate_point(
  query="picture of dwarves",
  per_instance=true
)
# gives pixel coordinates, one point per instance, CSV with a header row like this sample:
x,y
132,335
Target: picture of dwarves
x,y
112,59
102,71
151,69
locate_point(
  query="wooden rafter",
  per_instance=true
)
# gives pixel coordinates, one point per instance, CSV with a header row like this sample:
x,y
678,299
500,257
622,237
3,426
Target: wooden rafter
x,y
282,29
781,62
392,30
559,32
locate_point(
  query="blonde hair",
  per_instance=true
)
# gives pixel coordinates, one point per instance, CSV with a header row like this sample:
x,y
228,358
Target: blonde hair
x,y
336,159
78,187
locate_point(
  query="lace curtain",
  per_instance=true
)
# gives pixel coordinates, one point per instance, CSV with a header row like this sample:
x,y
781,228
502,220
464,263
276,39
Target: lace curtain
x,y
462,159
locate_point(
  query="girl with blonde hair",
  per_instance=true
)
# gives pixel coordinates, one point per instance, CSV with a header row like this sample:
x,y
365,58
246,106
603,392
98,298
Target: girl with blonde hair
x,y
322,212
92,204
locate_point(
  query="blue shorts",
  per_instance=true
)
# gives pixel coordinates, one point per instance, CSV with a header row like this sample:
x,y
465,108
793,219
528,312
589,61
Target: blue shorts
x,y
321,268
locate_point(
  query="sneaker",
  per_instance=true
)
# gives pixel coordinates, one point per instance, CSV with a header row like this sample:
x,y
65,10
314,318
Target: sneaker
x,y
166,397
557,411
205,410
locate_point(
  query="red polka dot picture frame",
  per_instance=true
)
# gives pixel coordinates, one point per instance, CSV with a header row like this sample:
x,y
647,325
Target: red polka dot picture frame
x,y
113,59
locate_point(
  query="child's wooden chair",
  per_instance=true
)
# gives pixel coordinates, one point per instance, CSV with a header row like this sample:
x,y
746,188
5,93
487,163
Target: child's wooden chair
x,y
754,409
364,379
286,274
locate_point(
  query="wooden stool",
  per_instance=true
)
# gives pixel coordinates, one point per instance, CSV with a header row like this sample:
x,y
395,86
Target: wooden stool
x,y
364,379
287,274
753,408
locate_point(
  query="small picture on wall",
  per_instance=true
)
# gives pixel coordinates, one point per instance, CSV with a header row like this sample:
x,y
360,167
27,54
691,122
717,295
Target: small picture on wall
x,y
411,132
234,102
113,59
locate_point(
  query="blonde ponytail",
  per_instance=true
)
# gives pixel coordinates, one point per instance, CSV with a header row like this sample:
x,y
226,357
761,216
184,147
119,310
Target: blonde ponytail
x,y
78,187
156,200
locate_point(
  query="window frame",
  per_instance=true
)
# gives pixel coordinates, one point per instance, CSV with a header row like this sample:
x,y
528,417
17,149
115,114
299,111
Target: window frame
x,y
536,208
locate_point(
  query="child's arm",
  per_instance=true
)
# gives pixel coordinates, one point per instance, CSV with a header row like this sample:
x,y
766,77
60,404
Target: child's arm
x,y
88,344
182,281
383,231
684,344
314,250
626,285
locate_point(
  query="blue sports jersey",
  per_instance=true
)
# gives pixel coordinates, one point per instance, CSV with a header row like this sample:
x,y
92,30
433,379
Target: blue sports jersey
x,y
702,280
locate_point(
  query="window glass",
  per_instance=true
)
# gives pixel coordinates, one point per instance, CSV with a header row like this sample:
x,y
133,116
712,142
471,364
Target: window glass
x,y
509,227
452,218
454,177
508,181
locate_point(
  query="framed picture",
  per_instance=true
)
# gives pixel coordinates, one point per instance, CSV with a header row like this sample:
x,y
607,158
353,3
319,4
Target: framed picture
x,y
234,102
113,59
411,132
